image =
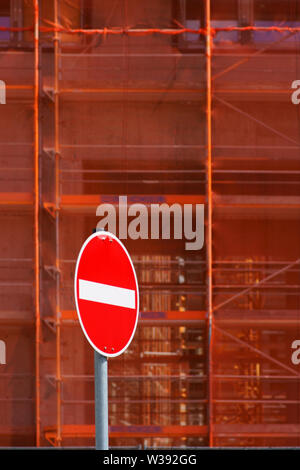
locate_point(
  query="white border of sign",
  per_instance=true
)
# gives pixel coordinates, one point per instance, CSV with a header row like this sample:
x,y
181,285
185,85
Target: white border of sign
x,y
103,234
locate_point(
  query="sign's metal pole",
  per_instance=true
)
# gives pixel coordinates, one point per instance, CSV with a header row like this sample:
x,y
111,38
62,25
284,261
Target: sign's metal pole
x,y
101,398
101,401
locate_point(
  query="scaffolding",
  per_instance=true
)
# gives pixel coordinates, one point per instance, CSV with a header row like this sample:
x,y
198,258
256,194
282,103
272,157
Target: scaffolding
x,y
180,103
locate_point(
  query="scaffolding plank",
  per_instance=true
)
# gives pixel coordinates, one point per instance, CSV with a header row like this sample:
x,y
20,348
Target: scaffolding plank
x,y
152,317
77,201
16,199
88,431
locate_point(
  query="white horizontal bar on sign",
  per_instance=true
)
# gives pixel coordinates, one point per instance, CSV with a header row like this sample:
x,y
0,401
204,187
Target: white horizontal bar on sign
x,y
105,294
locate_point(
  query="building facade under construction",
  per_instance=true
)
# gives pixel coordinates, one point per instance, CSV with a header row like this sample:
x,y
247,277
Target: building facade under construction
x,y
161,101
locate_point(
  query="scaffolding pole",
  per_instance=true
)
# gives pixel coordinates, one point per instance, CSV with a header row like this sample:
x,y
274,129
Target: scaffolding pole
x,y
57,227
209,219
36,222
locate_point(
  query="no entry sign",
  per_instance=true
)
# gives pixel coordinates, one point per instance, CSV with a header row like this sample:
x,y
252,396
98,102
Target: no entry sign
x,y
106,294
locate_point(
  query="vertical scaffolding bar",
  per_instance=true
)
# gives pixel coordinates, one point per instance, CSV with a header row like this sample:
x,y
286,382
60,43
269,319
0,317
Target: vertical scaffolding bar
x,y
36,221
57,204
209,219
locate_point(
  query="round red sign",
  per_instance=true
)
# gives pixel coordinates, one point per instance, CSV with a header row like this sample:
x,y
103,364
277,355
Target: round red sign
x,y
106,294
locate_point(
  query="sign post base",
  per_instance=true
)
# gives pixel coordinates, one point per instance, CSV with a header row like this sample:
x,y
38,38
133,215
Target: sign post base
x,y
101,401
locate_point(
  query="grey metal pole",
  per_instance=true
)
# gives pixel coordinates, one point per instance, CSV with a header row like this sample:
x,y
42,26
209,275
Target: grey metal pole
x,y
101,397
101,401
